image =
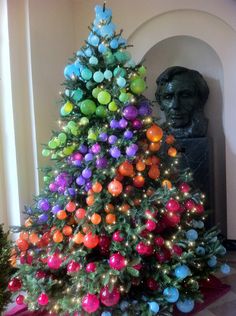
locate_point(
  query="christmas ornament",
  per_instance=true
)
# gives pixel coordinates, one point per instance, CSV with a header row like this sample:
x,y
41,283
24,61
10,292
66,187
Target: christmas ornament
x,y
171,294
115,188
185,306
90,240
117,261
182,271
154,133
73,267
88,107
14,285
43,299
225,268
54,261
154,307
90,303
109,298
91,267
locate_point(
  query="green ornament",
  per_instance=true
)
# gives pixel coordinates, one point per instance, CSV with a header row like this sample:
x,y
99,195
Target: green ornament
x,y
122,56
62,137
89,85
142,71
138,85
74,131
101,111
46,179
92,136
123,97
84,121
72,124
119,72
104,97
109,58
54,156
53,143
46,152
112,106
87,107
95,92
68,150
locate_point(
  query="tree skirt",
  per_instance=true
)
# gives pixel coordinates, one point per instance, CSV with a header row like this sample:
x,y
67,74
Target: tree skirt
x,y
212,290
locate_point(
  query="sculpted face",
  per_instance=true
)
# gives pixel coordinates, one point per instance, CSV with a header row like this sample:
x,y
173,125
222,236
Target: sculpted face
x,y
178,100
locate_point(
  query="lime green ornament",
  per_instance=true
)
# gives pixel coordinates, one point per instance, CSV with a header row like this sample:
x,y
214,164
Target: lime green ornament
x,y
46,179
68,150
87,107
74,131
142,71
54,156
104,97
46,152
84,121
101,111
68,107
53,143
71,124
95,92
92,136
62,137
138,85
112,106
123,97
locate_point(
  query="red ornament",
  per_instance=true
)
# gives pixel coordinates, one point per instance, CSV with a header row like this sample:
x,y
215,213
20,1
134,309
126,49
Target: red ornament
x,y
126,169
144,249
199,208
152,284
117,237
109,298
43,299
172,219
150,225
159,241
190,204
184,187
22,244
73,266
115,188
163,256
54,261
172,205
14,285
90,303
117,261
40,274
104,244
177,250
26,258
138,266
70,206
91,240
138,181
20,299
80,213
91,267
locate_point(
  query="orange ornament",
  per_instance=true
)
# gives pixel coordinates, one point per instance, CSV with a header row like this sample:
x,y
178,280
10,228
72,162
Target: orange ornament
x,y
172,152
111,219
119,176
115,188
167,184
148,161
67,230
61,215
154,133
34,238
155,160
78,238
138,181
140,166
109,208
96,219
24,235
22,244
97,187
155,146
86,228
126,169
80,213
70,206
154,172
91,240
90,200
125,207
57,236
170,139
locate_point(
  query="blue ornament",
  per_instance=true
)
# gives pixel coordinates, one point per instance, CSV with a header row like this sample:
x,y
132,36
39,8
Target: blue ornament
x,y
93,60
185,306
225,268
182,271
103,14
221,251
121,82
71,71
88,52
201,224
80,53
108,74
108,30
171,294
78,64
98,76
86,74
192,235
93,40
200,251
106,313
195,223
154,307
124,305
102,48
212,261
77,95
114,43
122,41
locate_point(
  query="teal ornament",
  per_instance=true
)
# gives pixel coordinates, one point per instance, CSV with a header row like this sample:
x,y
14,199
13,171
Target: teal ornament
x,y
89,85
98,76
212,262
122,56
171,294
114,43
192,235
93,60
102,48
86,74
68,93
80,53
77,95
185,306
225,268
200,251
200,224
88,52
138,85
63,112
221,251
71,71
93,40
154,307
101,111
107,74
109,58
88,107
119,72
182,271
131,63
121,82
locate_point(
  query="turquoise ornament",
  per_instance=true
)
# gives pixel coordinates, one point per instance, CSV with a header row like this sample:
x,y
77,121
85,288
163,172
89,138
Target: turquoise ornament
x,y
119,72
107,74
93,60
185,306
98,76
77,95
86,74
121,82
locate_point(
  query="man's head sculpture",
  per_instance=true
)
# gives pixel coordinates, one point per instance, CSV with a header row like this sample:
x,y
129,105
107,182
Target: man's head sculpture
x,y
182,94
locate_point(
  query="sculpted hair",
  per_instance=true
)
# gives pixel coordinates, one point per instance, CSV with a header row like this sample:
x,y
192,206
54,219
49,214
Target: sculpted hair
x,y
198,80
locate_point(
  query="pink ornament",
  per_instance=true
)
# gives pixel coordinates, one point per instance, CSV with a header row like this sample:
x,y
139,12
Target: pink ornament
x,y
144,249
73,267
152,284
199,208
159,241
20,299
172,205
91,267
14,285
184,187
109,298
54,261
117,236
43,299
190,204
117,261
90,303
150,225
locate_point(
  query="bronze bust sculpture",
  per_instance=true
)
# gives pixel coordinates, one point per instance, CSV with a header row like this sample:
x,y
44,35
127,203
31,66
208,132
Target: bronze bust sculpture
x,y
182,94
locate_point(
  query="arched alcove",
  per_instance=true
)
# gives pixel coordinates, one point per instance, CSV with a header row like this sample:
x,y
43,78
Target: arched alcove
x,y
213,37
195,54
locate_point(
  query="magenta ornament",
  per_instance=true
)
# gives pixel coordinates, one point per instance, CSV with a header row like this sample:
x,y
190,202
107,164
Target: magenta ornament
x,y
40,274
73,266
144,249
91,267
172,205
20,299
117,237
137,124
150,225
54,261
109,298
43,299
184,187
96,148
190,204
117,261
90,303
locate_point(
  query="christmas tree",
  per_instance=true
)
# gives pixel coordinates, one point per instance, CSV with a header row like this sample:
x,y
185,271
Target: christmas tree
x,y
117,229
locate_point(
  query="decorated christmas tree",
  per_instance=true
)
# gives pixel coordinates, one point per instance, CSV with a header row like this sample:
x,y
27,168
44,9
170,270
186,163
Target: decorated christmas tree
x,y
117,229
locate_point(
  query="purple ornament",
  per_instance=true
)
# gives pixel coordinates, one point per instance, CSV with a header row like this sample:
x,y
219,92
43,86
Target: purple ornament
x,y
130,112
80,181
96,148
61,190
83,149
114,124
63,179
101,163
88,157
128,134
88,186
71,191
44,205
103,137
115,152
131,150
56,208
53,187
43,218
137,124
77,163
87,173
144,108
123,123
112,139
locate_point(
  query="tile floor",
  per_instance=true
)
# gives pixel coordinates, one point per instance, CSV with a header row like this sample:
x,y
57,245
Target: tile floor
x,y
226,305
